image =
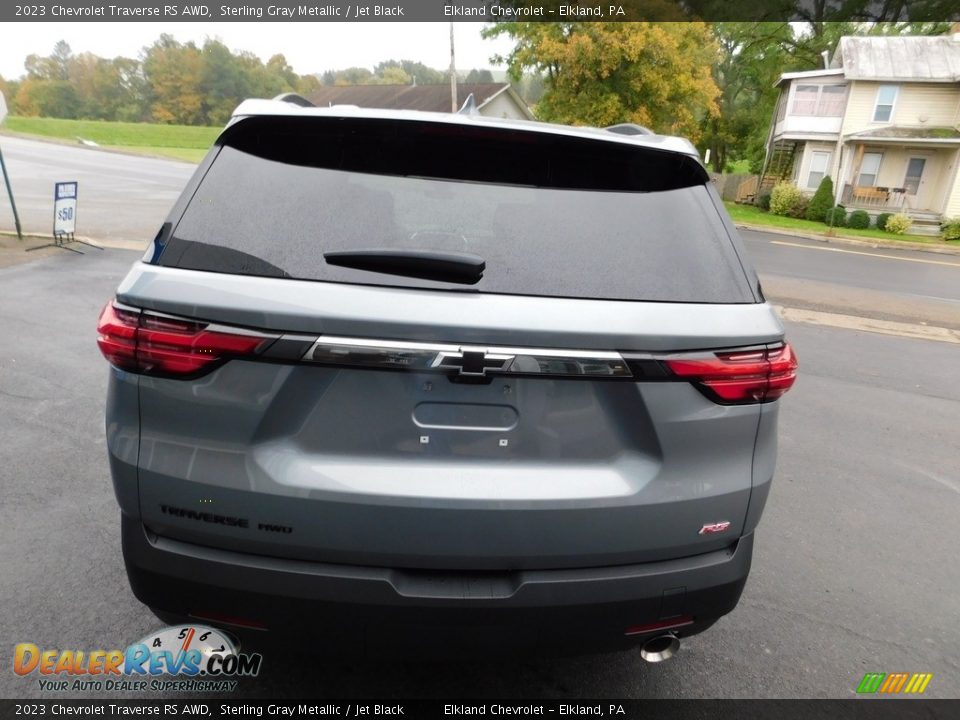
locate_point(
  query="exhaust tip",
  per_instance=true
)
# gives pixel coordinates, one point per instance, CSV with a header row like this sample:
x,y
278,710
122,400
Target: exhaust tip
x,y
660,648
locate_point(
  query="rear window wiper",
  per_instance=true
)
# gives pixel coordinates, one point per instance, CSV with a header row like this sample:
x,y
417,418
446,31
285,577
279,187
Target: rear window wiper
x,y
454,267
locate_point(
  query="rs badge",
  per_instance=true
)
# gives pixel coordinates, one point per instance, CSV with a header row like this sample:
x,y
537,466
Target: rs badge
x,y
717,527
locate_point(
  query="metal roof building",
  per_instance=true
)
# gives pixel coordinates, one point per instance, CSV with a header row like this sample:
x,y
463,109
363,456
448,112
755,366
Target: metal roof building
x,y
899,58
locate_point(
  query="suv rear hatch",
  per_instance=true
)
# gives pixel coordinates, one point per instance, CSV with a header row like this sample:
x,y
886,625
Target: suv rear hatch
x,y
591,398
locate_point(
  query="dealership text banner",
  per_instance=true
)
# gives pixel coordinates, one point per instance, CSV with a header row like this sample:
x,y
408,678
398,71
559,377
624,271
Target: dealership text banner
x,y
478,11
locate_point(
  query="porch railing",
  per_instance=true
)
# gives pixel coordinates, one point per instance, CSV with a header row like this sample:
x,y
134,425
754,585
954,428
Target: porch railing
x,y
874,196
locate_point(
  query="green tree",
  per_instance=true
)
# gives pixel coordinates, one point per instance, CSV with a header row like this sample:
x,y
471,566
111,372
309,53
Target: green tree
x,y
822,200
479,76
278,67
9,88
392,75
353,76
48,98
223,82
174,77
307,85
749,60
654,74
418,72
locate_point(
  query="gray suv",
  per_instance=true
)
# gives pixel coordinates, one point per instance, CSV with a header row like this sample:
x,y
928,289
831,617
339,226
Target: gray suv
x,y
398,378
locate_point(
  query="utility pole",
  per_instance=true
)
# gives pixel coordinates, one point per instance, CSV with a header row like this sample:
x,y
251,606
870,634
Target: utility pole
x,y
6,178
453,75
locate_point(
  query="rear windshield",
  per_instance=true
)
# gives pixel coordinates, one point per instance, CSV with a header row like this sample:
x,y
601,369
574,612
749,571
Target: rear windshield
x,y
549,215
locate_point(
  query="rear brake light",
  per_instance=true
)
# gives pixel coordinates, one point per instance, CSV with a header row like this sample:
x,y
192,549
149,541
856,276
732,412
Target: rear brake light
x,y
117,336
152,344
743,376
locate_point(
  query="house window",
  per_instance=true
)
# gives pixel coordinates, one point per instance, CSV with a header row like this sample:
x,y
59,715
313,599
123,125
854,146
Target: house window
x,y
869,169
818,168
832,100
886,97
819,100
805,99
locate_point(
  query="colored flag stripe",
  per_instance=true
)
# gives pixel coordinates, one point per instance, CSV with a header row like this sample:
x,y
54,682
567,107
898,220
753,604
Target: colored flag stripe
x,y
915,680
903,679
870,682
912,683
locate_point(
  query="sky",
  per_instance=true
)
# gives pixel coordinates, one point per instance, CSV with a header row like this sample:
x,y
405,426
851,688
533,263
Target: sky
x,y
308,47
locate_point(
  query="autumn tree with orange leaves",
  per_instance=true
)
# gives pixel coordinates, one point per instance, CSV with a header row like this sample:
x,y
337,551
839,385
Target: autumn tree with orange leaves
x,y
654,74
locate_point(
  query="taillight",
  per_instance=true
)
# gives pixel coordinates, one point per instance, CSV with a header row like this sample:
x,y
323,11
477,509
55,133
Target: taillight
x,y
151,344
745,376
117,336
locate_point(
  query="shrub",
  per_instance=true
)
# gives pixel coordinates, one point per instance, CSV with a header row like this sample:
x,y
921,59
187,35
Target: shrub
x,y
898,224
783,198
799,208
881,222
859,219
950,229
763,202
822,200
837,217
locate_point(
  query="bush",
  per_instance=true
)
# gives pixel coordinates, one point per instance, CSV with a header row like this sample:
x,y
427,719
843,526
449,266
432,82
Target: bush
x,y
898,224
950,229
822,200
837,217
784,197
763,202
859,219
881,222
799,208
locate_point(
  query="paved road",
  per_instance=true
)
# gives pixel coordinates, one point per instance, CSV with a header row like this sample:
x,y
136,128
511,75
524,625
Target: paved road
x,y
855,567
902,285
121,197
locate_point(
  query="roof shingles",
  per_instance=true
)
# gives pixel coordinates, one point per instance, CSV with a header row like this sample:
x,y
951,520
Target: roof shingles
x,y
429,98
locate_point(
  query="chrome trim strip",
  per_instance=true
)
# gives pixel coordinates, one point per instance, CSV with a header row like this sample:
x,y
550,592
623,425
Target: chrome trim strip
x,y
470,360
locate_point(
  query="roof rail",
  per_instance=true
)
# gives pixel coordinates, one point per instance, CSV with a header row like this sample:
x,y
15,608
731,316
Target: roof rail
x,y
294,99
629,129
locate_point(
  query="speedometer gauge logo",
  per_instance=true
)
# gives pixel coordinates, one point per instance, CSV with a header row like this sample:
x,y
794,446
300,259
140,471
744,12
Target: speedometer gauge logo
x,y
183,639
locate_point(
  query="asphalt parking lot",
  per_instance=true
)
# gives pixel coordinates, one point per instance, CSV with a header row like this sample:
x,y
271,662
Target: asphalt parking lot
x,y
856,558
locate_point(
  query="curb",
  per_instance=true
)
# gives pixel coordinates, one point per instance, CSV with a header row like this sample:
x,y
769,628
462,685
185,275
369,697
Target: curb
x,y
847,240
871,325
114,244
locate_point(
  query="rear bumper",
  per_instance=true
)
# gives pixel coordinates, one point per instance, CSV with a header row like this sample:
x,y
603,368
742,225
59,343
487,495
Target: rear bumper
x,y
372,610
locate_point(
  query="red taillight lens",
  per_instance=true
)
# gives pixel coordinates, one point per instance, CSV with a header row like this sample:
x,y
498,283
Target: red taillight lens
x,y
741,376
117,336
155,345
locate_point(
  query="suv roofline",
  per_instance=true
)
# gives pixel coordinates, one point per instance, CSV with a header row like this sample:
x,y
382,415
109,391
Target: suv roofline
x,y
665,143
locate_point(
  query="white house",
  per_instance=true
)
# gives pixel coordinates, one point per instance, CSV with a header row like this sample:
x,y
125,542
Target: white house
x,y
882,120
492,99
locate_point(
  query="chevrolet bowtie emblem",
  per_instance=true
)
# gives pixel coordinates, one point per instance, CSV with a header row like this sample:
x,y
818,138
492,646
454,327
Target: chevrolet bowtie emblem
x,y
472,362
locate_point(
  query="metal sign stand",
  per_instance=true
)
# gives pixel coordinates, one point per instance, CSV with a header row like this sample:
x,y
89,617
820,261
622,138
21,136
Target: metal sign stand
x,y
65,219
60,240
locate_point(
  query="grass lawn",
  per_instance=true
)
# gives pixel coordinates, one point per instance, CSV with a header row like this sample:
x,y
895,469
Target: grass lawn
x,y
182,142
738,167
756,216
